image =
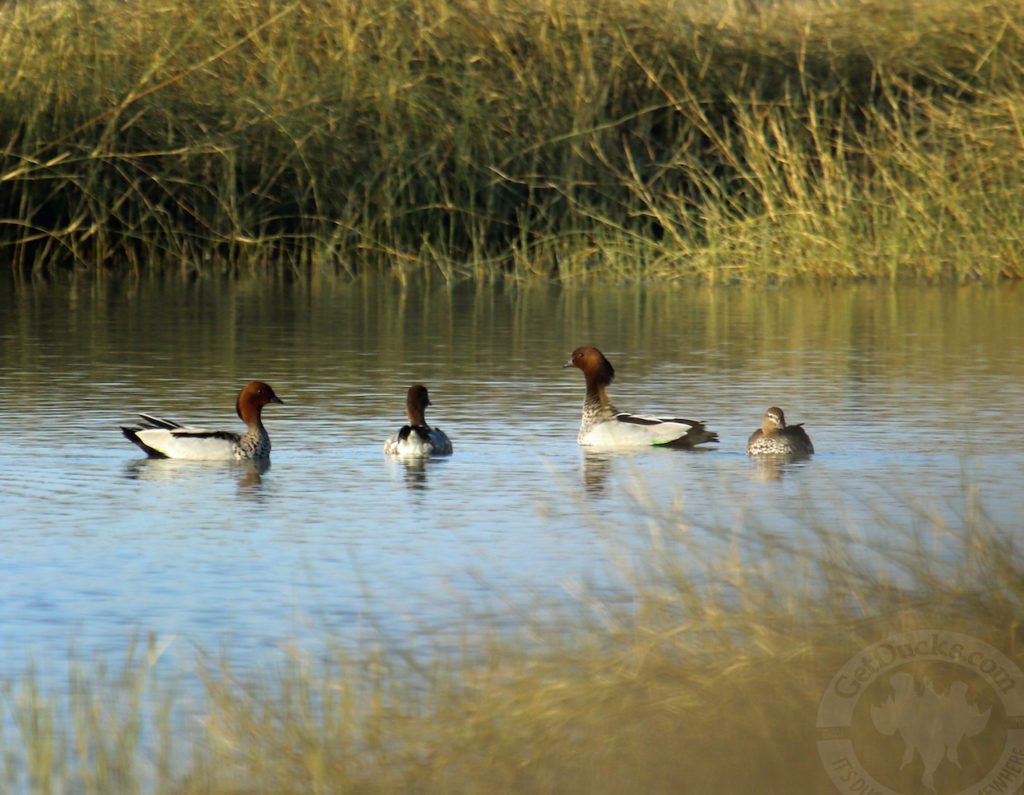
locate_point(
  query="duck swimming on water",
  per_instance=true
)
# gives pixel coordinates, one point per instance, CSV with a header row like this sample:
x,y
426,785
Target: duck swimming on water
x,y
605,427
417,439
774,437
160,438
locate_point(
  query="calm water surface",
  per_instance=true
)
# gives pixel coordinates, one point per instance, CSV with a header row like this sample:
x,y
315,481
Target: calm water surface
x,y
914,399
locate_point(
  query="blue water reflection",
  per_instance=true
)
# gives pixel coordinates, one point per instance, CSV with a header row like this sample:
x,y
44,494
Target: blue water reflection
x,y
914,400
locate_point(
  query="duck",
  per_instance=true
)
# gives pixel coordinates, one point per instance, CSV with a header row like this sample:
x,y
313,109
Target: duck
x,y
605,427
160,438
417,439
774,437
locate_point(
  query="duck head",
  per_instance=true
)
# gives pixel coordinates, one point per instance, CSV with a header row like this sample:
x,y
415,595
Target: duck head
x,y
596,368
251,400
773,420
416,402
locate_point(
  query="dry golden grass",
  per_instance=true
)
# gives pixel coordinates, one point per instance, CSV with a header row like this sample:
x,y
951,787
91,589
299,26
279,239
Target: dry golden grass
x,y
698,675
534,139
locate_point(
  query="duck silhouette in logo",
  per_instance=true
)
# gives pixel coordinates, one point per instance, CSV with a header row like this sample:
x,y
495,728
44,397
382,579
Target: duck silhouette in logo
x,y
929,723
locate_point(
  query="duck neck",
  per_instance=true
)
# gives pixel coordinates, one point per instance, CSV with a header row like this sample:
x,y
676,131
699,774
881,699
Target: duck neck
x,y
251,416
255,425
596,403
417,417
255,442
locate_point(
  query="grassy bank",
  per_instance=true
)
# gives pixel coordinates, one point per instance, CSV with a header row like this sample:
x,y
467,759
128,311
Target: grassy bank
x,y
701,674
621,139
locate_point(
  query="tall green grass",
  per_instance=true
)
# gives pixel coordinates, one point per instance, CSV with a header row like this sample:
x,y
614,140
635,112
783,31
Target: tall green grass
x,y
701,673
620,139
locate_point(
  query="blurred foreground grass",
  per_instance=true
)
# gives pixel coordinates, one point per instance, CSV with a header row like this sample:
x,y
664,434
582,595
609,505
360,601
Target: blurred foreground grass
x,y
698,675
622,139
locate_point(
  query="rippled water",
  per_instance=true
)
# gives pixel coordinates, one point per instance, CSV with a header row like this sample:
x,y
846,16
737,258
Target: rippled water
x,y
914,399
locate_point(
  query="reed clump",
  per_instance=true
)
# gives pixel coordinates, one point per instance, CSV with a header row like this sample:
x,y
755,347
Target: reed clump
x,y
701,673
622,139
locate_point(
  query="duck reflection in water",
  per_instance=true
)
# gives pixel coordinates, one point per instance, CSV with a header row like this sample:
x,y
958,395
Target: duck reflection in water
x,y
597,468
249,473
415,472
774,467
